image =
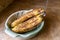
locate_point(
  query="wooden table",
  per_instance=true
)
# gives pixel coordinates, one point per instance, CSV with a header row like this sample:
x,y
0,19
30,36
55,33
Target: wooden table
x,y
51,29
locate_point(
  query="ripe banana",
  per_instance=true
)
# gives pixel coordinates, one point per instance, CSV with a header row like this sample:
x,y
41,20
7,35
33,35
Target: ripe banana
x,y
26,16
28,25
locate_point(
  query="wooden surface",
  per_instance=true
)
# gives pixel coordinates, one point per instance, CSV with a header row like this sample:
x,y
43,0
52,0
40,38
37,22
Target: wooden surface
x,y
51,29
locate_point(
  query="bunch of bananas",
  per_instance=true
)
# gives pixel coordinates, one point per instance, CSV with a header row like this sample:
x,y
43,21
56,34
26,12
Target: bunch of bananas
x,y
28,21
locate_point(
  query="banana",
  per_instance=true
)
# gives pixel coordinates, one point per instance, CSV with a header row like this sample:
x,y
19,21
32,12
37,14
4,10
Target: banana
x,y
28,25
26,16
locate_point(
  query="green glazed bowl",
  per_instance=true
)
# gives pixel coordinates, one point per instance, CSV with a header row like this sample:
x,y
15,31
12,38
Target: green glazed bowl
x,y
26,35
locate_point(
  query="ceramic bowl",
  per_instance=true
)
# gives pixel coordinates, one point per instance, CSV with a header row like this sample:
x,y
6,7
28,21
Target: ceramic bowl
x,y
26,35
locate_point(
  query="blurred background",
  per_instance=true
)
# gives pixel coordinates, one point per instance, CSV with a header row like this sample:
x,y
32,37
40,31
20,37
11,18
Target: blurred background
x,y
51,29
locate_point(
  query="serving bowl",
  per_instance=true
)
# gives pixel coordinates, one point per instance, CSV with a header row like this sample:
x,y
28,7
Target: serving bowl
x,y
26,35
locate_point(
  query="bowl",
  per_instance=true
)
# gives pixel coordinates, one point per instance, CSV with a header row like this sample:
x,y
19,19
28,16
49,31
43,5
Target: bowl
x,y
26,35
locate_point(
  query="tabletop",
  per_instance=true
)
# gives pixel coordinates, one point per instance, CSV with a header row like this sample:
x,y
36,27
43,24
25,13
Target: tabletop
x,y
51,29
